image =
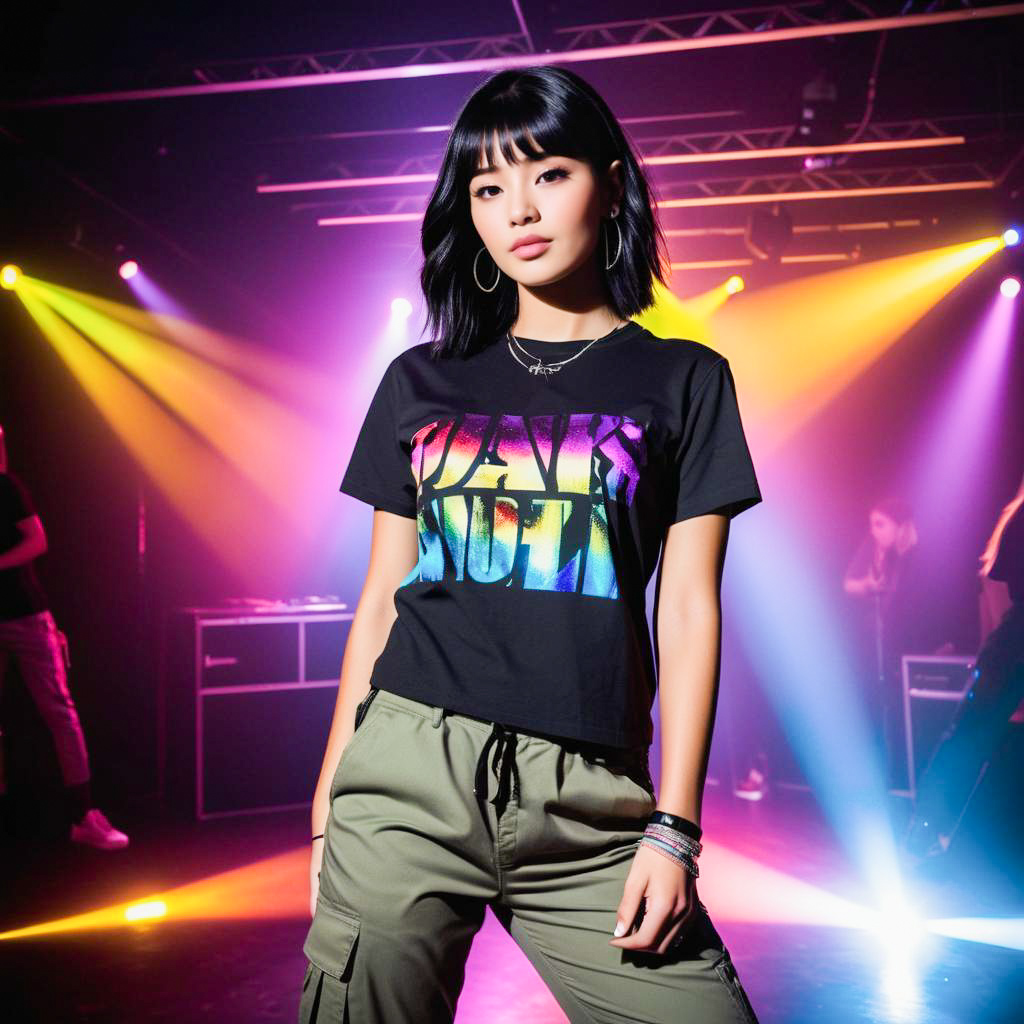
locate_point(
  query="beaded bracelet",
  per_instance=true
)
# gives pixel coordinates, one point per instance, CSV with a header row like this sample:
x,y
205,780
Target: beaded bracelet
x,y
675,836
686,862
675,839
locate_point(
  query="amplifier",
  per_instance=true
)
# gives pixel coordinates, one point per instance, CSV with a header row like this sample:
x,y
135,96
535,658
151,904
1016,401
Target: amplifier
x,y
933,687
247,706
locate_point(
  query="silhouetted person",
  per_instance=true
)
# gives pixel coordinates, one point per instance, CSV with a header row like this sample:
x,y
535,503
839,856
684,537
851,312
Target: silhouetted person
x,y
29,636
997,690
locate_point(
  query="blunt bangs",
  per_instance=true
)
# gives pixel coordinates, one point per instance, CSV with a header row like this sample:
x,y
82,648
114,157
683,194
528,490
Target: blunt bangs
x,y
544,111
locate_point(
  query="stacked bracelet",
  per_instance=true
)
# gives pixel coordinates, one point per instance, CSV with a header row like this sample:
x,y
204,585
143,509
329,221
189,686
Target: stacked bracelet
x,y
674,837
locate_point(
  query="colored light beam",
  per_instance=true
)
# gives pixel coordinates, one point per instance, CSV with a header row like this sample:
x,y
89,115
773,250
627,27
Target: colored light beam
x,y
804,341
268,371
226,512
675,317
737,887
261,438
270,888
993,931
786,613
961,444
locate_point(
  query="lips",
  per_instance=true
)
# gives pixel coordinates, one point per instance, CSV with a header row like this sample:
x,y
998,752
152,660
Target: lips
x,y
528,240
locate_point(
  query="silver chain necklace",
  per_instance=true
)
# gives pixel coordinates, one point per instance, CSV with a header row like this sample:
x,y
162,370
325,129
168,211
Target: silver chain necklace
x,y
540,367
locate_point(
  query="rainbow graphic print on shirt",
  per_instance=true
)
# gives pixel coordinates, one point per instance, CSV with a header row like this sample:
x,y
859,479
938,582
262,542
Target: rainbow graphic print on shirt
x,y
522,501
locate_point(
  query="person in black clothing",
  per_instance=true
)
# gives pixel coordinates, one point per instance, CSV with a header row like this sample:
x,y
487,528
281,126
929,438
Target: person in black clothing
x,y
996,692
887,573
29,637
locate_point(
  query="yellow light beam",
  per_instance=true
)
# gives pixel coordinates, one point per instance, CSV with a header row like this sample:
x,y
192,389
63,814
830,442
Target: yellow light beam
x,y
263,439
270,371
270,888
800,343
228,514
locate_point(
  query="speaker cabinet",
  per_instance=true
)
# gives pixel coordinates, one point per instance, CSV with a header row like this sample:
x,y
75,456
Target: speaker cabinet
x,y
248,706
933,687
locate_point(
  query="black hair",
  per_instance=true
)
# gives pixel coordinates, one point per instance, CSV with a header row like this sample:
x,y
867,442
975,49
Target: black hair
x,y
898,510
565,116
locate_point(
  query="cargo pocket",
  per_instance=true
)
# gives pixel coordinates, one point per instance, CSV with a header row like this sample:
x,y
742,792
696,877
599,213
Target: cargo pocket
x,y
328,948
727,972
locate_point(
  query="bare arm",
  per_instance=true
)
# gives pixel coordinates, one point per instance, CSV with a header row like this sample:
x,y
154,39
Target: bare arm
x,y
689,656
393,553
31,545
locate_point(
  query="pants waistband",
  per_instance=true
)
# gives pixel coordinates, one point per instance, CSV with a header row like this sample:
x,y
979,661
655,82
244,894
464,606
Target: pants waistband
x,y
588,748
504,739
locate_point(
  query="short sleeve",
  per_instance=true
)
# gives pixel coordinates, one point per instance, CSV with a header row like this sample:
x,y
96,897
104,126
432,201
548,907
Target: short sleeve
x,y
380,468
713,469
14,499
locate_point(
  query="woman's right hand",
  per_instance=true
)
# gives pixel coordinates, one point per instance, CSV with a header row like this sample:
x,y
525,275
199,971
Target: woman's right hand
x,y
316,858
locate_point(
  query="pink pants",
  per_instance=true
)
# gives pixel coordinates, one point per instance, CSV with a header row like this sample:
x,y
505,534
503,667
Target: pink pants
x,y
33,643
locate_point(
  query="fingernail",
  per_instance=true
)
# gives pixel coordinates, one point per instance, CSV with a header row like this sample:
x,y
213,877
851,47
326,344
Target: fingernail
x,y
620,929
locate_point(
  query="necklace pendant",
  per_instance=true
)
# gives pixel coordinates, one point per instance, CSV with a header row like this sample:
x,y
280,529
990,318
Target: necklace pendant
x,y
540,368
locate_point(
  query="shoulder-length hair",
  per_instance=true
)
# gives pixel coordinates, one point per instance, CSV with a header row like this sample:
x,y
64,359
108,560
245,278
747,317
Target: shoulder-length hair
x,y
565,116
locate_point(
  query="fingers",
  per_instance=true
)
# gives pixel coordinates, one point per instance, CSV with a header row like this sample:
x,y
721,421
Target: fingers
x,y
659,912
629,906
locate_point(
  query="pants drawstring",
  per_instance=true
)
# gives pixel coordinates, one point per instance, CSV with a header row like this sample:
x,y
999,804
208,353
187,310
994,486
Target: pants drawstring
x,y
504,742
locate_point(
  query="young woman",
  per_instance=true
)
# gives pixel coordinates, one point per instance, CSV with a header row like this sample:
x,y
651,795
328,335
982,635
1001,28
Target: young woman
x,y
490,742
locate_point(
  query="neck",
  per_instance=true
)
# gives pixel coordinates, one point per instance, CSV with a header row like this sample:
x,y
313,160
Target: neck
x,y
574,308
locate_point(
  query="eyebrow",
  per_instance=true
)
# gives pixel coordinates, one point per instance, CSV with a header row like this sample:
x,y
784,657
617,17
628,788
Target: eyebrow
x,y
489,169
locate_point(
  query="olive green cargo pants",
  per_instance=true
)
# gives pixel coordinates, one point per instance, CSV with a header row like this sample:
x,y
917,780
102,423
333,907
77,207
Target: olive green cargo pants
x,y
412,858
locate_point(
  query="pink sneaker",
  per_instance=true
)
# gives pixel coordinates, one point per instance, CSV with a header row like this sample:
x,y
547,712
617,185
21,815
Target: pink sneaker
x,y
753,787
95,830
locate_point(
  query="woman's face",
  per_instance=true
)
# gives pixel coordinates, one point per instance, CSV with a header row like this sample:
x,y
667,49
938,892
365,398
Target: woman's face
x,y
884,529
555,197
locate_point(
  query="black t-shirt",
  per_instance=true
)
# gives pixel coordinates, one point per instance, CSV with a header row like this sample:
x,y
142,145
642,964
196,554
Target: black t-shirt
x,y
910,620
541,505
1009,563
20,592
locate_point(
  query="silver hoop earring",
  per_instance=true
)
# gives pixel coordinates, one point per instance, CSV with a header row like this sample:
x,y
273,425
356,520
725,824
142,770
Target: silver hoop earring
x,y
618,249
477,279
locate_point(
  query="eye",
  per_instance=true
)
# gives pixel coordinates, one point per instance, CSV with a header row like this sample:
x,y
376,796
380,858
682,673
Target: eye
x,y
560,172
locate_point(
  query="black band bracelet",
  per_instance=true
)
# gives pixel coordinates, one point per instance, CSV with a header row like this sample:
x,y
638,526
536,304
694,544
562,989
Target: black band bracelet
x,y
684,825
315,838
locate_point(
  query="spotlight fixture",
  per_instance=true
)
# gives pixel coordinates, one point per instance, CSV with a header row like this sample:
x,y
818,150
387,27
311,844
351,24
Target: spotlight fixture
x,y
9,276
1011,236
820,124
401,308
128,269
1010,288
734,284
769,232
